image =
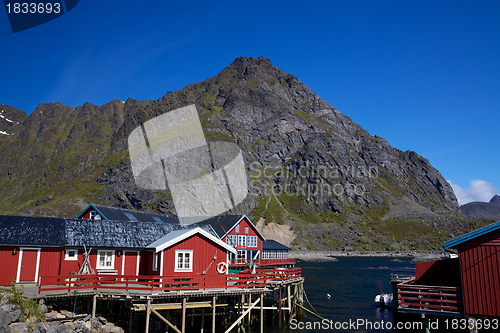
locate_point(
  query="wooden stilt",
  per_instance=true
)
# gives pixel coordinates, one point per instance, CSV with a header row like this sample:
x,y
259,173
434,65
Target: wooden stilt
x,y
250,313
165,321
242,315
289,298
261,313
279,309
202,319
183,315
213,314
148,314
94,305
130,319
89,302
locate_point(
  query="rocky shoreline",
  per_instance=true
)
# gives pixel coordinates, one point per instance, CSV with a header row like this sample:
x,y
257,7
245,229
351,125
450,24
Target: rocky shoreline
x,y
13,321
324,256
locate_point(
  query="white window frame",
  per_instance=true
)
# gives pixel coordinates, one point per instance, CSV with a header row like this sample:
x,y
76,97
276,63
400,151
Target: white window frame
x,y
252,241
71,258
183,268
242,240
92,214
238,228
98,264
242,254
246,230
234,239
155,261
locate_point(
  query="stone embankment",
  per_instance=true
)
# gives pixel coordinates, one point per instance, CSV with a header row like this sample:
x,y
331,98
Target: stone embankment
x,y
55,321
323,256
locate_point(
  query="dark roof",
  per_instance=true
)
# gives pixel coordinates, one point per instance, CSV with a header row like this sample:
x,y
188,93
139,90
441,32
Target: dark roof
x,y
20,230
121,214
273,245
471,235
225,223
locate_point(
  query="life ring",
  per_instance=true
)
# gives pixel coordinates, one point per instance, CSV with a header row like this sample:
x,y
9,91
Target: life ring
x,y
222,268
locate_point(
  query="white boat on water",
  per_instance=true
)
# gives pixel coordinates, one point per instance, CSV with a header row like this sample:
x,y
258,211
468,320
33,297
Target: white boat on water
x,y
384,300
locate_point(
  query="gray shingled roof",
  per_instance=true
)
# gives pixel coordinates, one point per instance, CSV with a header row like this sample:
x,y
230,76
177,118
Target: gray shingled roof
x,y
120,214
273,245
20,230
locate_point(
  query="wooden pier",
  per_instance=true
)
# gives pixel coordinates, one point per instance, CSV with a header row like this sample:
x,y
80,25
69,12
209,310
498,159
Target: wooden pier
x,y
185,303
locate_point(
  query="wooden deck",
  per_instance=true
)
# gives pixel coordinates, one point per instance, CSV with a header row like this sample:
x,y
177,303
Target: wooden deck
x,y
437,300
161,285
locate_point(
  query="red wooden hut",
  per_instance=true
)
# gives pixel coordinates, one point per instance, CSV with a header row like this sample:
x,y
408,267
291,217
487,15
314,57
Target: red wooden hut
x,y
235,230
466,285
32,247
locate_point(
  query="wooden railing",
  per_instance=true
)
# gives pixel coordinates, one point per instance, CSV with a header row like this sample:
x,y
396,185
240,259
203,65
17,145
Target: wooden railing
x,y
422,298
262,262
150,283
402,274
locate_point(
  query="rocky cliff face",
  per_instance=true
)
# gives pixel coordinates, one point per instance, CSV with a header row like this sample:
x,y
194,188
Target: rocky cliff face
x,y
309,165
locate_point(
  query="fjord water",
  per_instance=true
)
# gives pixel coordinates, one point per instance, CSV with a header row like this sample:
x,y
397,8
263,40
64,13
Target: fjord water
x,y
353,283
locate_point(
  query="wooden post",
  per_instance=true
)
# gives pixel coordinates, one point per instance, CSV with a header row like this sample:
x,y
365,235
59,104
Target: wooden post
x,y
202,319
279,309
250,313
213,314
94,305
262,313
148,314
183,315
289,298
130,318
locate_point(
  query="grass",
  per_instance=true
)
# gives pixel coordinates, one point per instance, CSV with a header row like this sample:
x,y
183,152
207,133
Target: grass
x,y
29,308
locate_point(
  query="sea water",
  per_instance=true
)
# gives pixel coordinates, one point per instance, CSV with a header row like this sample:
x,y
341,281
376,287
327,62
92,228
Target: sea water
x,y
352,283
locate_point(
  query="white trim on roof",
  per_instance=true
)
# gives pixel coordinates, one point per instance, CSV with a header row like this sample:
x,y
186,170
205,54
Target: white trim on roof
x,y
248,219
190,233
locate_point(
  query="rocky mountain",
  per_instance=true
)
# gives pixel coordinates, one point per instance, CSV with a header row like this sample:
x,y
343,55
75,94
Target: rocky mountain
x,y
483,210
311,168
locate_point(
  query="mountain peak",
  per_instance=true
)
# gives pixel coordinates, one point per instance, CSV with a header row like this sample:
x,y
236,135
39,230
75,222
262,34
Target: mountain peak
x,y
495,200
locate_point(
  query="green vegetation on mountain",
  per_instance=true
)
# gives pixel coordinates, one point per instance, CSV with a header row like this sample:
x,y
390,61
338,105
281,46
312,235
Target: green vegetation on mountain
x,y
309,166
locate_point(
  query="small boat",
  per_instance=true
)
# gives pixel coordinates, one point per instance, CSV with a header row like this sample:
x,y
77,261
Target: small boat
x,y
384,300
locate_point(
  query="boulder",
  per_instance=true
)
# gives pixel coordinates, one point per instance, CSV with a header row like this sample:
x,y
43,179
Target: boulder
x,y
112,329
18,328
5,318
41,327
16,315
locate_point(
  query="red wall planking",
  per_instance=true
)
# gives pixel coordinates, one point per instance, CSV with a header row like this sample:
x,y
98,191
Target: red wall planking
x,y
203,253
480,271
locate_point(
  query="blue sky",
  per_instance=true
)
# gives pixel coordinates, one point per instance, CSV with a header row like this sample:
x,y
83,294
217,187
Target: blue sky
x,y
425,75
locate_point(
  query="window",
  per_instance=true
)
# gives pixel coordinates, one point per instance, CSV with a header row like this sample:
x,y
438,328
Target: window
x,y
232,240
242,254
131,217
71,254
183,260
155,261
92,215
157,219
246,230
252,241
238,228
265,254
242,240
105,259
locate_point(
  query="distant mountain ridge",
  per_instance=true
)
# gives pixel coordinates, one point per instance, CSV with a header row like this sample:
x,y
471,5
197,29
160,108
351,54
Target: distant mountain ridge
x,y
338,185
483,210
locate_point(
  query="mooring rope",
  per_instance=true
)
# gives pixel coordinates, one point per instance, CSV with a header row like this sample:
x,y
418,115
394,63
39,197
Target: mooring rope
x,y
307,299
